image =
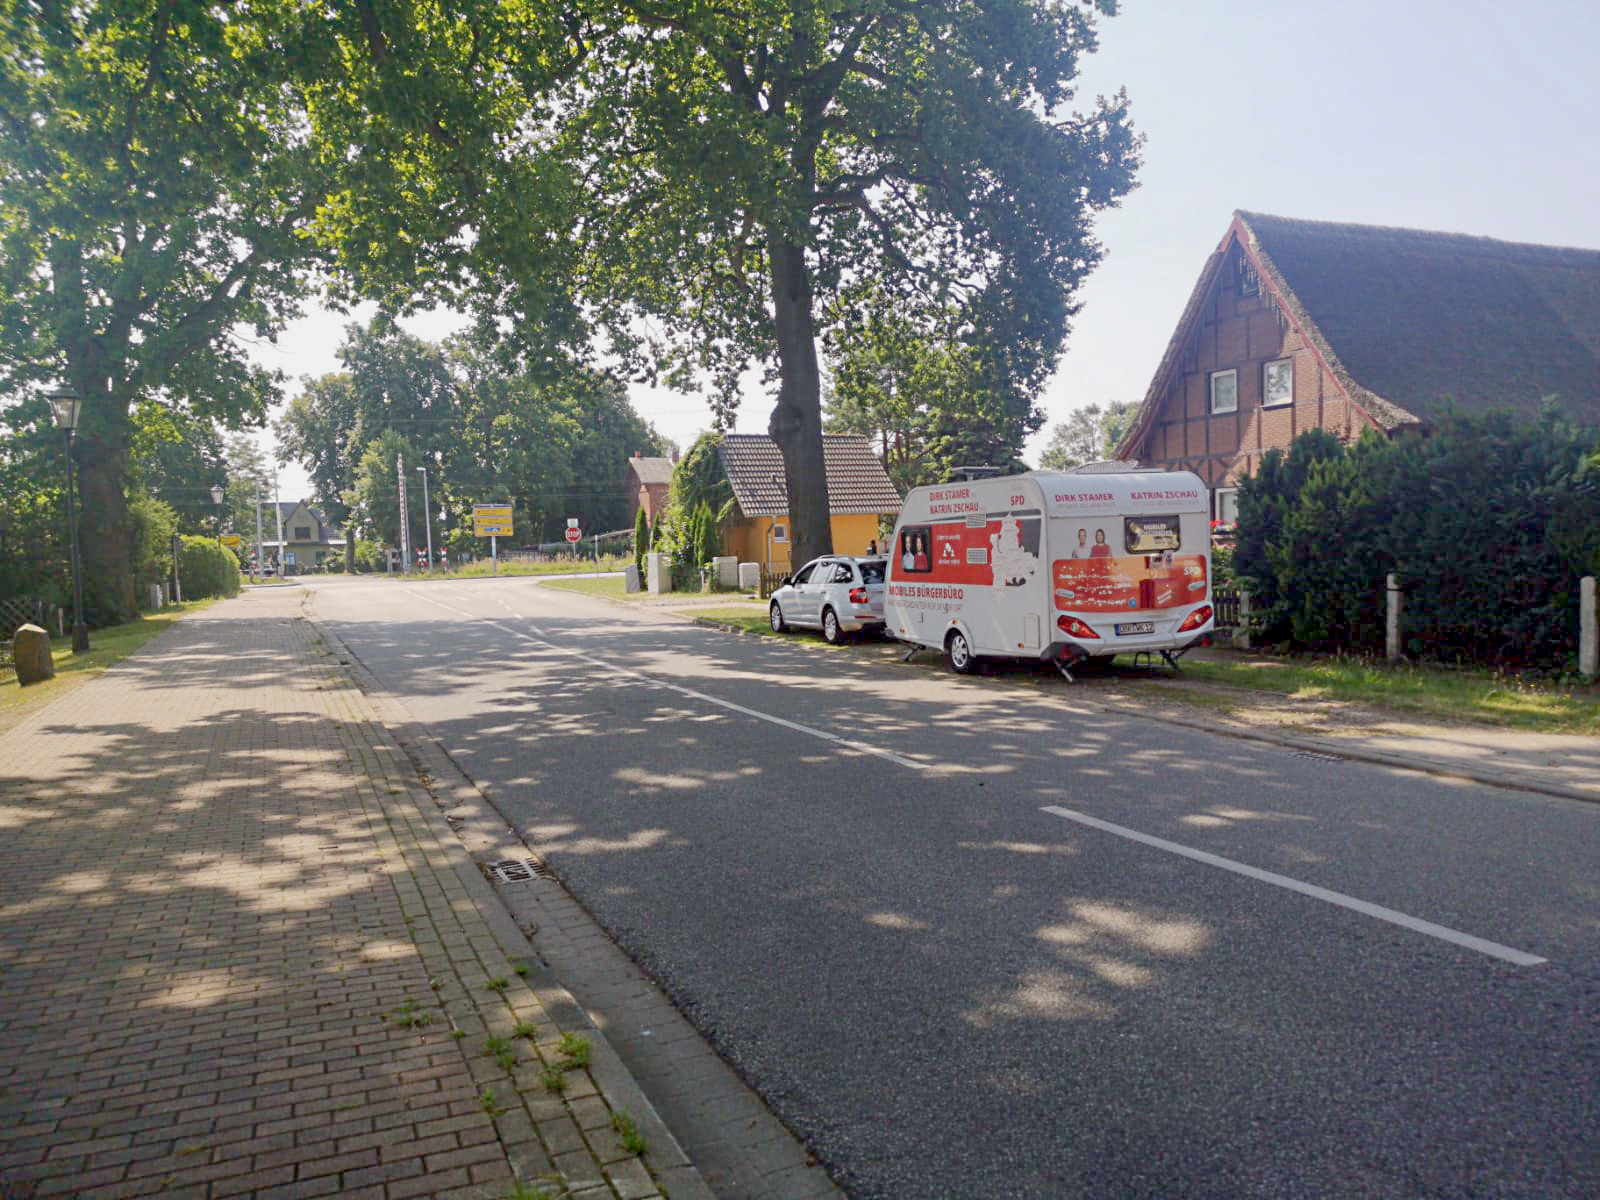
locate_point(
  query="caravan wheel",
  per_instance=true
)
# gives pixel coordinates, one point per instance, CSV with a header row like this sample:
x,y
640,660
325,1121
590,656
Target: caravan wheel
x,y
962,660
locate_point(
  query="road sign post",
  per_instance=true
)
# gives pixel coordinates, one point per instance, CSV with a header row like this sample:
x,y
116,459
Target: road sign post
x,y
492,521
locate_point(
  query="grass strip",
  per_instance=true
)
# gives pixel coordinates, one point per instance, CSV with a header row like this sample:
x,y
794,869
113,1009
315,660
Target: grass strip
x,y
1479,696
612,587
745,619
106,646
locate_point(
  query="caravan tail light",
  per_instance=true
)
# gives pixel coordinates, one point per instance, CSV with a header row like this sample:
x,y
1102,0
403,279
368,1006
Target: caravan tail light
x,y
859,596
1073,627
1196,619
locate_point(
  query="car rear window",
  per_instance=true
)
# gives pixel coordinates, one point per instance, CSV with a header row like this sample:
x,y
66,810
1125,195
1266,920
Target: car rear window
x,y
871,572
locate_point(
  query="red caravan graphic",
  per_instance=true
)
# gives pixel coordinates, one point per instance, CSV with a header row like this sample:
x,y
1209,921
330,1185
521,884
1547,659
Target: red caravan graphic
x,y
1126,584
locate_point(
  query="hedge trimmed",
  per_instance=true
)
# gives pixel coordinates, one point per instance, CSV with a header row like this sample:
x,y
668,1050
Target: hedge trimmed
x,y
207,569
1489,524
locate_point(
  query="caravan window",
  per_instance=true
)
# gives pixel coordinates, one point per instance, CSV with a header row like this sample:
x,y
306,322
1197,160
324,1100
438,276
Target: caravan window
x,y
1150,535
915,550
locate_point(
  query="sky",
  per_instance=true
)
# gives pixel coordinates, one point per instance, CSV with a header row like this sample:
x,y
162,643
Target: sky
x,y
1455,115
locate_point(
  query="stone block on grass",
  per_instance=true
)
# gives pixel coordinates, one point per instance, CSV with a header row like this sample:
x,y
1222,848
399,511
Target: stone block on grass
x,y
30,651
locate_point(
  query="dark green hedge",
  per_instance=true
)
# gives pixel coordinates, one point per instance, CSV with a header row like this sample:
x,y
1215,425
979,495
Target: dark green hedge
x,y
1489,524
207,569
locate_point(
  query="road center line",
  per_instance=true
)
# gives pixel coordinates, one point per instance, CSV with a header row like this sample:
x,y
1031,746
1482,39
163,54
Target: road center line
x,y
1442,932
642,677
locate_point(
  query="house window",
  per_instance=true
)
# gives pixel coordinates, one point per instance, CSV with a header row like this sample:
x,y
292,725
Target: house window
x,y
302,533
780,533
914,552
1277,382
1227,506
1224,391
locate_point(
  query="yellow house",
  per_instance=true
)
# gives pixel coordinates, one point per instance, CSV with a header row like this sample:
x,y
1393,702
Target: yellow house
x,y
860,493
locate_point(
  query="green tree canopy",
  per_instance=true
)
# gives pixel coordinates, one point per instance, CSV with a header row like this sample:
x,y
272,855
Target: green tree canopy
x,y
157,180
707,179
1089,434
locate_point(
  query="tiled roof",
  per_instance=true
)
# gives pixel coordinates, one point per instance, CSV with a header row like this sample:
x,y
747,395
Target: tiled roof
x,y
1418,320
857,482
651,470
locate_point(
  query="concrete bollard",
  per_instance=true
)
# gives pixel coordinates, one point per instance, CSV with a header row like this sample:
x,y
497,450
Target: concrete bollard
x,y
1241,635
658,572
1391,637
725,570
156,596
1588,630
630,578
30,652
749,577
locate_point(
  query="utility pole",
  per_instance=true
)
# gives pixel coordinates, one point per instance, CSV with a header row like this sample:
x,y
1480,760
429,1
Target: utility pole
x,y
427,517
260,559
277,508
405,517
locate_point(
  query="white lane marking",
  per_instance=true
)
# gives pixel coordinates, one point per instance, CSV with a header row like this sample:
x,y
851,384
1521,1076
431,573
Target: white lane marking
x,y
771,719
1444,933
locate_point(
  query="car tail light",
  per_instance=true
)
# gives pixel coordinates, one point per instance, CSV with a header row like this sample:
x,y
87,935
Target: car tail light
x,y
858,596
1073,627
1196,619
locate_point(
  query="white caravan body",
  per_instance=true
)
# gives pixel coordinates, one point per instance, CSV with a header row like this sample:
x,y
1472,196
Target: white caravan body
x,y
1054,565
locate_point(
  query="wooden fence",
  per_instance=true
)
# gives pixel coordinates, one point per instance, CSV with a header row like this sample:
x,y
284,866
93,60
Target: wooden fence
x,y
1227,605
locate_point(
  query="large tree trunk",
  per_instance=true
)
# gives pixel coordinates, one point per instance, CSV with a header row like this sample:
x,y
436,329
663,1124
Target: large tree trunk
x,y
104,538
796,423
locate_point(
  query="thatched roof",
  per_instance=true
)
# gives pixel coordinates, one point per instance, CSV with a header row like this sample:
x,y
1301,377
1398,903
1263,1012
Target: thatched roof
x,y
1411,321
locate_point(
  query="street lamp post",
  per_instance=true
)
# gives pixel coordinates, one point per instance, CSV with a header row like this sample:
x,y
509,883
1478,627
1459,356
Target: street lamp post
x,y
216,498
427,517
66,406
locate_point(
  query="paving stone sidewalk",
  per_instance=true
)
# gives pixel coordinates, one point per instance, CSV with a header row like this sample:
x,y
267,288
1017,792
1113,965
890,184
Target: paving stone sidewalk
x,y
241,955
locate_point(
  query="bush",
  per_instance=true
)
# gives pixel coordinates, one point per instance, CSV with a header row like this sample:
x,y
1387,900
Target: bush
x,y
370,555
641,540
1488,523
207,569
151,524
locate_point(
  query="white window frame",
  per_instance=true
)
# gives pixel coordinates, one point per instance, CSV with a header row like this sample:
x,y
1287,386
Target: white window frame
x,y
1211,391
1289,399
780,533
1222,496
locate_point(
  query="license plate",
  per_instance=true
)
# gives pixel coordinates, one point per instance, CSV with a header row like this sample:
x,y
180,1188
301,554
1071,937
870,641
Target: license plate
x,y
1130,628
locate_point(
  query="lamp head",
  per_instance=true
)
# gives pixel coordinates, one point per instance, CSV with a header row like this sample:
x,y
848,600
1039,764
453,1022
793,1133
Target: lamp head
x,y
65,407
216,494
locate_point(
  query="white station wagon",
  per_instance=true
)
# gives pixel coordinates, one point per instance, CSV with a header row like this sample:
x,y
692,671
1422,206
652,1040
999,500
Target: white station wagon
x,y
836,594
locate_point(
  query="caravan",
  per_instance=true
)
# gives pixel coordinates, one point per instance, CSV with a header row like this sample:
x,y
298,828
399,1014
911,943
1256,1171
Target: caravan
x,y
1066,567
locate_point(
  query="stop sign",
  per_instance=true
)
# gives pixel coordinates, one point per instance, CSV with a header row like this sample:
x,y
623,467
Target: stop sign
x,y
574,535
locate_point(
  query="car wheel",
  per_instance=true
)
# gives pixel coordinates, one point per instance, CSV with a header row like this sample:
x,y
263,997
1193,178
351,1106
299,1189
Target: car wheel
x,y
962,660
775,616
831,633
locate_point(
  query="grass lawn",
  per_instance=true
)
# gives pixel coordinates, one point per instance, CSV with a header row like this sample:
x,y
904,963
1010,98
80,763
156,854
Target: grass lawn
x,y
612,587
106,646
1465,695
484,567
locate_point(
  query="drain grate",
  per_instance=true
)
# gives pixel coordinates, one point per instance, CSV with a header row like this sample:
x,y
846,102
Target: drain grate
x,y
519,870
1314,756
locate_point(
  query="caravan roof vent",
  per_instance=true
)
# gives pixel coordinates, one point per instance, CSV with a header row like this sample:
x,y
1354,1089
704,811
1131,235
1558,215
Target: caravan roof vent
x,y
968,474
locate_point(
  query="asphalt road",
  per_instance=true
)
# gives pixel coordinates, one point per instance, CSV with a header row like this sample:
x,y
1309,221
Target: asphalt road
x,y
948,991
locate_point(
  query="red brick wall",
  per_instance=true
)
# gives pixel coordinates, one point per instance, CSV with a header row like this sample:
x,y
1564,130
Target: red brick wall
x,y
1239,332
